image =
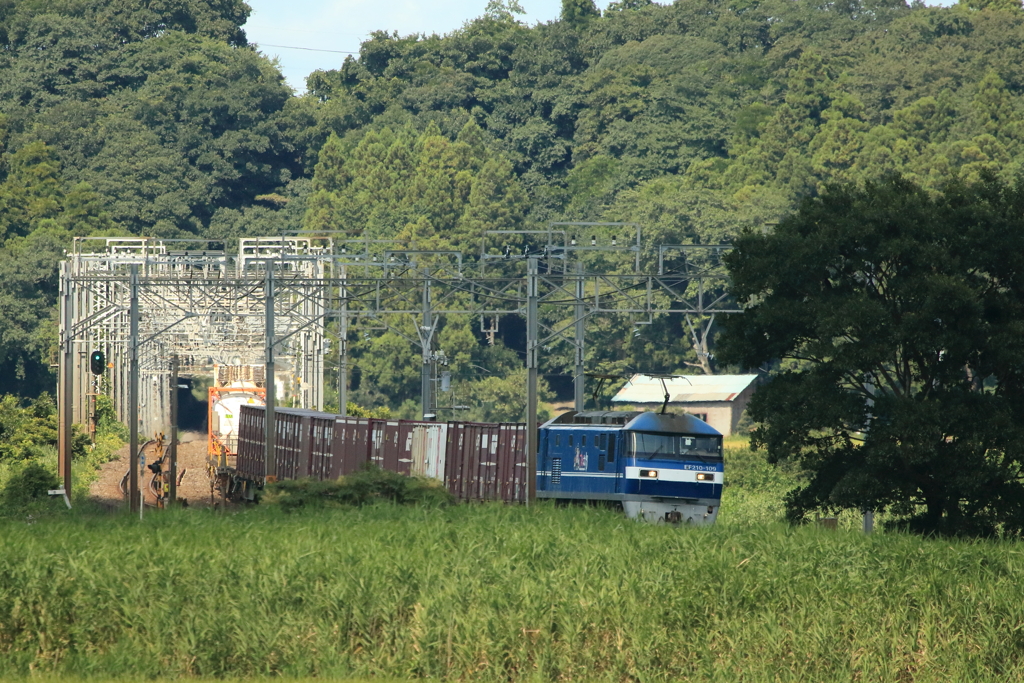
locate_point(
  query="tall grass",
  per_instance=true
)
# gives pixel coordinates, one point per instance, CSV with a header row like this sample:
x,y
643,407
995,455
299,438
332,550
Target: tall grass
x,y
754,491
491,592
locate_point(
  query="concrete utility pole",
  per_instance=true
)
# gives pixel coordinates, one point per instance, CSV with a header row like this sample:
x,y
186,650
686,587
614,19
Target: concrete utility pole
x,y
532,335
579,378
133,391
66,382
268,355
427,339
173,454
343,345
869,521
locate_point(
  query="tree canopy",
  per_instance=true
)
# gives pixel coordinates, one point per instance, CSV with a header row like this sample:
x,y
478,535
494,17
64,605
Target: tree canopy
x,y
696,119
898,317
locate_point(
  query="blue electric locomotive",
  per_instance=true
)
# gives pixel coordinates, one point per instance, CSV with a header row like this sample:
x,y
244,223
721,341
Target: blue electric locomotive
x,y
661,467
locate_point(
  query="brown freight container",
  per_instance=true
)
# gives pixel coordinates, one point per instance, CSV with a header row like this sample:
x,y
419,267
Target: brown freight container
x,y
249,464
385,448
486,461
453,460
490,469
320,438
286,428
294,445
463,458
351,446
515,475
477,436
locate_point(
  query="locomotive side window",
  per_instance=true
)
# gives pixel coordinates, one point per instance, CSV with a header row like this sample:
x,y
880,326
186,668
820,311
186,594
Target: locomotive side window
x,y
570,441
604,441
611,449
583,441
558,440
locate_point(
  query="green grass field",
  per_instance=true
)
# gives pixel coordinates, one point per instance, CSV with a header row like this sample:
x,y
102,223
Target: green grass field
x,y
488,593
496,593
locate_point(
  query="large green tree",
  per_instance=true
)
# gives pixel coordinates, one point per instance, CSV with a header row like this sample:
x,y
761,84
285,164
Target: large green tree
x,y
40,211
898,319
419,187
161,107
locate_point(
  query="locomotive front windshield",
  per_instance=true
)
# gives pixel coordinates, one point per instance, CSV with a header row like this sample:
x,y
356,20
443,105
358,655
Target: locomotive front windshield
x,y
673,446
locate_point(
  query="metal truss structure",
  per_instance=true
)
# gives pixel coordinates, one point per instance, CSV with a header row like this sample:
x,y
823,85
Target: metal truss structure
x,y
144,303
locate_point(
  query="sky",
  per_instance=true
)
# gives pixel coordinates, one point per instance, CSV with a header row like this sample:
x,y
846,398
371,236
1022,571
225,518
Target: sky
x,y
341,25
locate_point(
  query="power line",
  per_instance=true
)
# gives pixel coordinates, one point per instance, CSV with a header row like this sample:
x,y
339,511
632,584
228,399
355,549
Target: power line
x,y
307,49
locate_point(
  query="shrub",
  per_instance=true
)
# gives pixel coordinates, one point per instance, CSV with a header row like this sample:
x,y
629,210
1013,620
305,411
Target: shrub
x,y
28,484
369,485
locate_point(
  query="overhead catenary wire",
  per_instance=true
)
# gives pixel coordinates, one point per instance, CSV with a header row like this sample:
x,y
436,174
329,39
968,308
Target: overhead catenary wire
x,y
307,49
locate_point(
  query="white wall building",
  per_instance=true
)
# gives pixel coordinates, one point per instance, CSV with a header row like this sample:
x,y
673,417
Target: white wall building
x,y
719,400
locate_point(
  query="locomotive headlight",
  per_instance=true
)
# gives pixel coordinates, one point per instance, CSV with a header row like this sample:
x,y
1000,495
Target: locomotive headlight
x,y
648,474
705,476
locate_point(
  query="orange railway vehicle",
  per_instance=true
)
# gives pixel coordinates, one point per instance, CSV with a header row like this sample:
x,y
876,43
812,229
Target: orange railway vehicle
x,y
234,386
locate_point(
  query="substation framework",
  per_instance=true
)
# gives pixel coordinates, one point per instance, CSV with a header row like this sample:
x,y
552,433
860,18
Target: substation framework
x,y
157,308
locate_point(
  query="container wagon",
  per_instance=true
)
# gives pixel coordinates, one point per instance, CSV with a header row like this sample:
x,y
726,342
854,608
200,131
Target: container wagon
x,y
475,461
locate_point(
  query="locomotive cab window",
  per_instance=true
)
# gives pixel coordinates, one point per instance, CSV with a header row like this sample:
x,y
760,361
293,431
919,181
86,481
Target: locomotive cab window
x,y
674,446
558,440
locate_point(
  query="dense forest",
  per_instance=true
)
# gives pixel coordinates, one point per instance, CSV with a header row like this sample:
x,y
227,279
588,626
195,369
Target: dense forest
x,y
697,120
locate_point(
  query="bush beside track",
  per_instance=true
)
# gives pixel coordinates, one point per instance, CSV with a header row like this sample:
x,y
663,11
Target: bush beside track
x,y
28,456
367,486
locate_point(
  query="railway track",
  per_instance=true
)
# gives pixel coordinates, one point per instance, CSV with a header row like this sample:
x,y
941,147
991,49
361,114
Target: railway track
x,y
151,482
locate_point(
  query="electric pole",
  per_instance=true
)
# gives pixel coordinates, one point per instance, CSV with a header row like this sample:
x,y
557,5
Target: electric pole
x,y
134,504
532,342
268,355
579,378
173,454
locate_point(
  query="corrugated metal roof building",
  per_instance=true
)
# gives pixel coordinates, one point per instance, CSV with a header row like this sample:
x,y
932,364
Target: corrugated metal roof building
x,y
719,400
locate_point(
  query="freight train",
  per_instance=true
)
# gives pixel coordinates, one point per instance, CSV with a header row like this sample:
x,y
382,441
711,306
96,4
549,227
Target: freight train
x,y
659,467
